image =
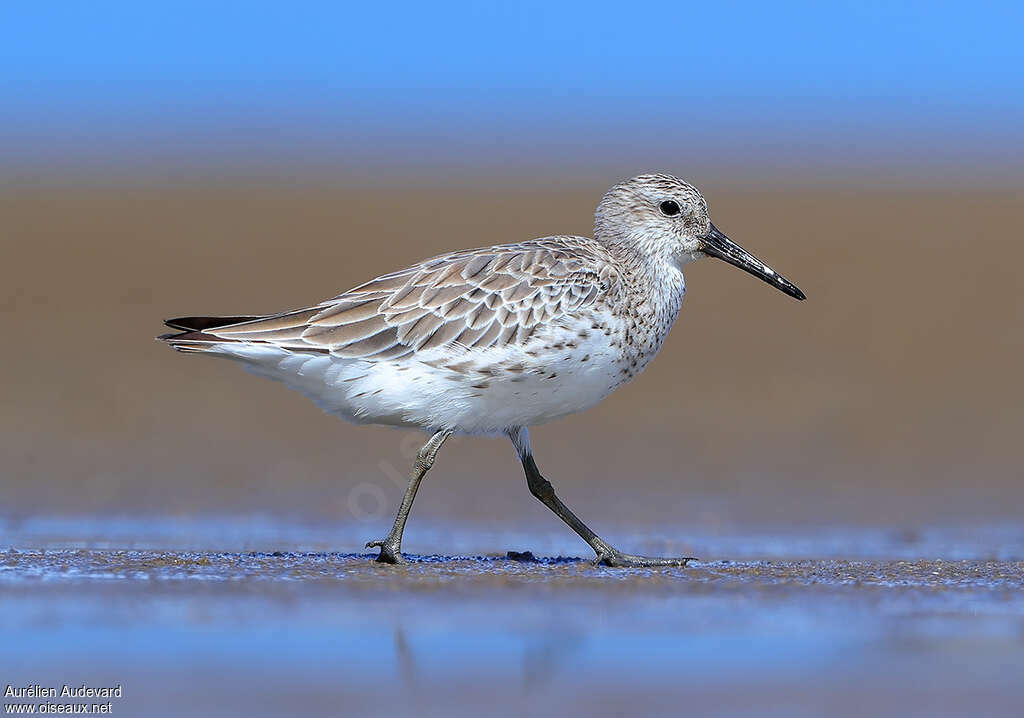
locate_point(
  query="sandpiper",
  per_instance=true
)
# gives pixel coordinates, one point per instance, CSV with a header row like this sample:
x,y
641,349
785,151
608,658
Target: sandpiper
x,y
497,339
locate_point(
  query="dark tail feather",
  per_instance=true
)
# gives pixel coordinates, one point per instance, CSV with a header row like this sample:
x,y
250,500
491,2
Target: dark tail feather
x,y
201,324
191,341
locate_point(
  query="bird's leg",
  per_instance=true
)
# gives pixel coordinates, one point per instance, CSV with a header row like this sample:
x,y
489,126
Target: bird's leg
x,y
541,488
391,547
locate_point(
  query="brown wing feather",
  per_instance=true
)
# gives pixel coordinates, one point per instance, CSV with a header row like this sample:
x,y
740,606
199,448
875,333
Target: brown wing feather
x,y
476,298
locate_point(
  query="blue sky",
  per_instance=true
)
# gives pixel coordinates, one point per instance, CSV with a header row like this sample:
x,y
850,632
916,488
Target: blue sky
x,y
113,81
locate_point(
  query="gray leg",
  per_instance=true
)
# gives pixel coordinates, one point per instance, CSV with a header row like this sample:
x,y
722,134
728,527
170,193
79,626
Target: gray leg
x,y
543,490
391,547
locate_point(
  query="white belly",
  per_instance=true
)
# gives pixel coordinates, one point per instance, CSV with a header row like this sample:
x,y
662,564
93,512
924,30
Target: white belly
x,y
478,392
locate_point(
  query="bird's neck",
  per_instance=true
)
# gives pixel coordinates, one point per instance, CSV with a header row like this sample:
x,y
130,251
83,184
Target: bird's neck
x,y
650,263
651,296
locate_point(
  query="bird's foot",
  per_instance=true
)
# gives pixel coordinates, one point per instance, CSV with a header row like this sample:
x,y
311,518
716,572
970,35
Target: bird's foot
x,y
617,559
390,550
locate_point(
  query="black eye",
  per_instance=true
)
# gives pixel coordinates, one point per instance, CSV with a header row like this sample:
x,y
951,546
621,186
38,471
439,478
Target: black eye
x,y
669,208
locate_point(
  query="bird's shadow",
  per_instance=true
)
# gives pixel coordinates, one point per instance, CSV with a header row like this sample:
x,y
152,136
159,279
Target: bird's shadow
x,y
525,557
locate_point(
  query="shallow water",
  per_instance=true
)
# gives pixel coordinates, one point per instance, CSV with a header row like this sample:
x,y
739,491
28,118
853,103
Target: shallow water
x,y
266,632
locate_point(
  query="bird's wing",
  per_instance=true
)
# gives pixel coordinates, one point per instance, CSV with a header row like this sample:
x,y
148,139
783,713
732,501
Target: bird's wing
x,y
477,298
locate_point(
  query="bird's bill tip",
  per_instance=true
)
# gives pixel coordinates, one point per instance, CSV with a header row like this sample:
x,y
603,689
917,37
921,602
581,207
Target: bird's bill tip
x,y
716,244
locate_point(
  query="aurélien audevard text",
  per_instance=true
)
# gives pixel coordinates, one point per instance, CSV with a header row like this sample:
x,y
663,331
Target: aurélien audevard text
x,y
36,690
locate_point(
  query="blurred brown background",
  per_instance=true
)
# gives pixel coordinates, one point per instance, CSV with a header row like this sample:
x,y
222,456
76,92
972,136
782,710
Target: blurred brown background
x,y
891,396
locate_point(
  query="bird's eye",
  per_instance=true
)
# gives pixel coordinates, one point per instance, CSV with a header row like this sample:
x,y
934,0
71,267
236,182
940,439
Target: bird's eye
x,y
669,208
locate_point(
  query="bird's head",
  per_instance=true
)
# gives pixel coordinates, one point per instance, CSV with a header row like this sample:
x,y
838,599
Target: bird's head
x,y
665,217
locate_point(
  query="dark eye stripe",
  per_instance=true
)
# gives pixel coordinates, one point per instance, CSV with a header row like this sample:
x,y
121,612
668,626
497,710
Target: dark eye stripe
x,y
669,208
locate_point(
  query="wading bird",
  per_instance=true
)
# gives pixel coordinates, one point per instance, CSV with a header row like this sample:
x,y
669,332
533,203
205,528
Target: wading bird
x,y
497,339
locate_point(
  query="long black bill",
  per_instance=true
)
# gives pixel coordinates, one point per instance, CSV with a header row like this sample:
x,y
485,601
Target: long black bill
x,y
718,245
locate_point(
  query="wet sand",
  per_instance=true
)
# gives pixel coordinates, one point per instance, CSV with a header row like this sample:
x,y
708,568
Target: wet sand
x,y
272,632
848,469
